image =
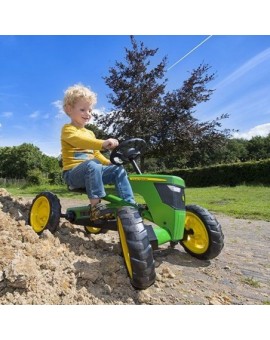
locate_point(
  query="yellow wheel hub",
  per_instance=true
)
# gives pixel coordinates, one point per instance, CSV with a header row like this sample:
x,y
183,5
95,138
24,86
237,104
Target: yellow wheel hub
x,y
197,240
124,246
93,230
40,214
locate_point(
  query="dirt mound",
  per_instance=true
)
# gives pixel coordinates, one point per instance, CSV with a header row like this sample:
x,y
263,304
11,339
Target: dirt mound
x,y
72,267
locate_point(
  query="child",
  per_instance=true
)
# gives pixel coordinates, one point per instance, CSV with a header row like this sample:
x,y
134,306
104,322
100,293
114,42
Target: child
x,y
84,166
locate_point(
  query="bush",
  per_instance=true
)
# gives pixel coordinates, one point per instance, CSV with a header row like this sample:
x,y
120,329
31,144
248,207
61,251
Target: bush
x,y
226,174
55,178
36,177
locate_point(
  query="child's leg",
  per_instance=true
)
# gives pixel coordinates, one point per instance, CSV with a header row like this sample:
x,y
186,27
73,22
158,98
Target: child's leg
x,y
87,175
94,201
117,175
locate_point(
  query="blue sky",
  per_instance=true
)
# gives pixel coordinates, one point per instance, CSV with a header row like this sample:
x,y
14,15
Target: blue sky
x,y
36,69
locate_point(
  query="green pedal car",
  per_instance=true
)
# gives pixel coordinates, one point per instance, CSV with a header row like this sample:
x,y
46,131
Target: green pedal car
x,y
163,217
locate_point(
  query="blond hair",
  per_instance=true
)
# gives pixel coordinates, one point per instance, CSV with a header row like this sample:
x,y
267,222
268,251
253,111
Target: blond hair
x,y
78,91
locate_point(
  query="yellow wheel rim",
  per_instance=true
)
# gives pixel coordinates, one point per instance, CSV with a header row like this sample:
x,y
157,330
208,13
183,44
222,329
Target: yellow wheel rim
x,y
40,214
198,240
124,246
93,230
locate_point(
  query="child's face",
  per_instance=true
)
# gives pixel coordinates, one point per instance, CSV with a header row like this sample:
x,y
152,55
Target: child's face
x,y
80,113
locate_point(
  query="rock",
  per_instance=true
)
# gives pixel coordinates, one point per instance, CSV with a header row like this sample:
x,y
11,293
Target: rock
x,y
167,273
4,192
20,271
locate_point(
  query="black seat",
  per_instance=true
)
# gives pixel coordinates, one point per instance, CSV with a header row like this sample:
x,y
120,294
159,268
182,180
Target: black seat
x,y
78,190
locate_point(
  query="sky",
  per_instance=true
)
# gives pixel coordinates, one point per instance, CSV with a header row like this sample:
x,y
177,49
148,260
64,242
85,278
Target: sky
x,y
37,65
36,69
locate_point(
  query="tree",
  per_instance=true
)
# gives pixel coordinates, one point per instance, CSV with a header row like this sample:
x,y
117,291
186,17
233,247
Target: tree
x,y
142,108
234,150
137,94
100,134
19,161
259,148
180,132
16,161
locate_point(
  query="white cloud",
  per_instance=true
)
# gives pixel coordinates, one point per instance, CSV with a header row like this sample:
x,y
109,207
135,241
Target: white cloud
x,y
37,114
260,130
7,114
59,105
0,125
99,112
246,67
249,106
34,114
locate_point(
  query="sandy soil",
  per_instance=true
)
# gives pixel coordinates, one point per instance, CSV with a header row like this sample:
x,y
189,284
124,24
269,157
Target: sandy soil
x,y
73,268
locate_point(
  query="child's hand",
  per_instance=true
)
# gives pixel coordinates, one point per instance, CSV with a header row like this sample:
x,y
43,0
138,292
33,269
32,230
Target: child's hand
x,y
110,144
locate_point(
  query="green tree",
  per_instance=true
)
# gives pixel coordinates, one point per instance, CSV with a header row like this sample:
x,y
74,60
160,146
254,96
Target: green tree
x,y
16,161
36,177
50,163
19,161
259,148
235,150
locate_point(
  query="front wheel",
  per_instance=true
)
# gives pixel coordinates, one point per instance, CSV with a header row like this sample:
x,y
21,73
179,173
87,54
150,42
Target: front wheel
x,y
203,237
45,212
136,248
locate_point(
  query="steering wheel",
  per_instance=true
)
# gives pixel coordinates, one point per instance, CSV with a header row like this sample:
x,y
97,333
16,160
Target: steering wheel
x,y
127,151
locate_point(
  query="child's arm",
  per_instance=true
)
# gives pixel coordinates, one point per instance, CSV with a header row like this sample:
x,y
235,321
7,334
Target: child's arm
x,y
103,160
81,139
110,144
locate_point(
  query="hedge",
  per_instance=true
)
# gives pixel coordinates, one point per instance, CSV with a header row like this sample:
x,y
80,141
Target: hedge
x,y
255,172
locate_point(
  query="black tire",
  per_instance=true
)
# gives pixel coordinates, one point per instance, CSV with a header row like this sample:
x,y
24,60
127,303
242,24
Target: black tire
x,y
203,236
45,212
136,248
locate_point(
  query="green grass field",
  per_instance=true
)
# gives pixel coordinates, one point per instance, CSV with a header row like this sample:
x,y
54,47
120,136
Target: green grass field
x,y
250,202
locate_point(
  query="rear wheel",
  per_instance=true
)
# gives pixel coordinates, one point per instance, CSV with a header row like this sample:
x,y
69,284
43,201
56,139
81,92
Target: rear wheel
x,y
136,248
203,237
95,230
45,212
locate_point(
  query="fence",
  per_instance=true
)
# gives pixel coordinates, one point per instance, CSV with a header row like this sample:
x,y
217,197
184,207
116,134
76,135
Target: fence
x,y
5,182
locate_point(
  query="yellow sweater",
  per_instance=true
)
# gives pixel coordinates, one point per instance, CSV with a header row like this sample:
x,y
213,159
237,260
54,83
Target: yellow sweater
x,y
78,145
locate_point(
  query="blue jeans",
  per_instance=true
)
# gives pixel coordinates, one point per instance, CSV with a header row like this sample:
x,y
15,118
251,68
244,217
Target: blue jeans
x,y
92,176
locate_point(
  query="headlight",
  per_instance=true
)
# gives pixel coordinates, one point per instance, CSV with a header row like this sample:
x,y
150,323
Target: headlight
x,y
174,188
172,195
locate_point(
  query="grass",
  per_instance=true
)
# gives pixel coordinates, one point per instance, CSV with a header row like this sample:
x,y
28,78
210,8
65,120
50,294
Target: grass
x,y
30,191
251,282
267,302
249,202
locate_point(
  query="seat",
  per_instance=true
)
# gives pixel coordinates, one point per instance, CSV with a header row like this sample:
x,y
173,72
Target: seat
x,y
78,190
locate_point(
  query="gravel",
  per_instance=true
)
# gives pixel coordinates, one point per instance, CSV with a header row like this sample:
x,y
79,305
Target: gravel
x,y
71,267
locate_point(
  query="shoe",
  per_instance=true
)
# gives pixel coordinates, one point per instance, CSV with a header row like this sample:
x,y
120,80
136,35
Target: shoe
x,y
101,212
141,207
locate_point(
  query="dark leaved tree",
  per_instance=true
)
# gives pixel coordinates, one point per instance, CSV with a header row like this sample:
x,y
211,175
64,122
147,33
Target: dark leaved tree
x,y
142,108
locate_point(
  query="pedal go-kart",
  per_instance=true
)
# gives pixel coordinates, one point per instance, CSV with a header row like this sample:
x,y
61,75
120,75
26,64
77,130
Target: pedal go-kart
x,y
163,218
